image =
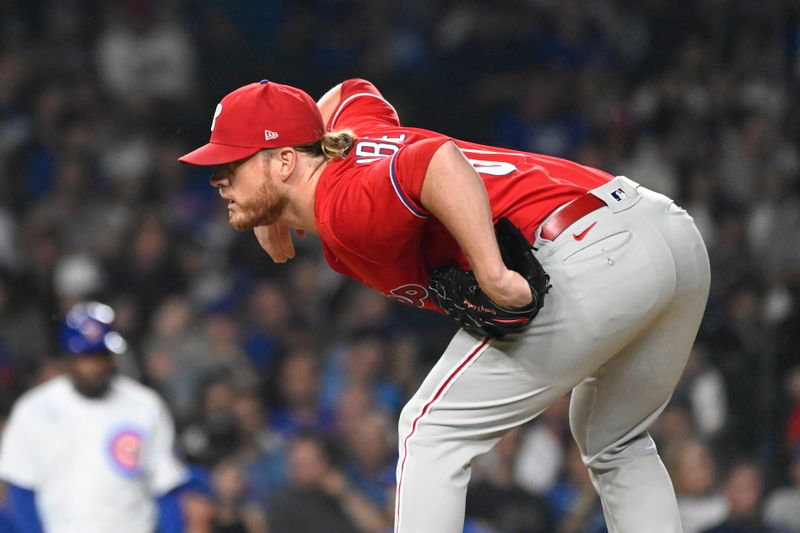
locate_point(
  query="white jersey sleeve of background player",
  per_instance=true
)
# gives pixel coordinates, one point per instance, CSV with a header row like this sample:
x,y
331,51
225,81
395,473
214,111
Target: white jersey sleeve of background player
x,y
17,464
164,471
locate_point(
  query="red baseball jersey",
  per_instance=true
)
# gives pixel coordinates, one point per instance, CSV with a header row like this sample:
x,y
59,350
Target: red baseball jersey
x,y
371,222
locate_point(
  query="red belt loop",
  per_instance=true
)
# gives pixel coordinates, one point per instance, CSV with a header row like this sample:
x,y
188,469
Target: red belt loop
x,y
576,209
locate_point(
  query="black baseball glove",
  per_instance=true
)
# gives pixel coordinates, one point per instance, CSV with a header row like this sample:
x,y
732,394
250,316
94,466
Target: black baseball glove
x,y
457,291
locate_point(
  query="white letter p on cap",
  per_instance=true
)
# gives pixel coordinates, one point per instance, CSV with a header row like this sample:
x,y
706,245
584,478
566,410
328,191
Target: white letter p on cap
x,y
217,112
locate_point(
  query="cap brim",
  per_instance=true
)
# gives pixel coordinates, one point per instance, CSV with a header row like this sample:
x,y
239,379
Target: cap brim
x,y
213,154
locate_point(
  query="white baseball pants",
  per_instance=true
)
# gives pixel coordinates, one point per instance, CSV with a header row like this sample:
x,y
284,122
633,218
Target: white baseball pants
x,y
616,329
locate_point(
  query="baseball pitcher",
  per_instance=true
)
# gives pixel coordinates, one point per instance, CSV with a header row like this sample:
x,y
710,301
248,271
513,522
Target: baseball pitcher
x,y
563,278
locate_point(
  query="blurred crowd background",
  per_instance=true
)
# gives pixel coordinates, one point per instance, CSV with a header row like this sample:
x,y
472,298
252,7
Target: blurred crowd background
x,y
286,381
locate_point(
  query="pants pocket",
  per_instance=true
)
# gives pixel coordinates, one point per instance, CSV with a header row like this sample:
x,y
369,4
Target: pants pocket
x,y
603,246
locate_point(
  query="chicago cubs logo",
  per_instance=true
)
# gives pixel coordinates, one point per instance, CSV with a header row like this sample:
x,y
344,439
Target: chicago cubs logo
x,y
92,331
125,450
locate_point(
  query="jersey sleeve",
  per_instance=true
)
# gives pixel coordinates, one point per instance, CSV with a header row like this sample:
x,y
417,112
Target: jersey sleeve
x,y
377,213
165,471
17,451
362,105
408,169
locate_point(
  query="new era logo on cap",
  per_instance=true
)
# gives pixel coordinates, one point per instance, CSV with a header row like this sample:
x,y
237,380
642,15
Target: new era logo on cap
x,y
257,116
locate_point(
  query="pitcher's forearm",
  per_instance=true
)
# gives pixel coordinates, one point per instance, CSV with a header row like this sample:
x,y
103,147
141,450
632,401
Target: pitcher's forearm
x,y
454,193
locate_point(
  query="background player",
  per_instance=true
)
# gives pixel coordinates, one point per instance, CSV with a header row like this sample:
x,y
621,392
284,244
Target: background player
x,y
629,272
91,451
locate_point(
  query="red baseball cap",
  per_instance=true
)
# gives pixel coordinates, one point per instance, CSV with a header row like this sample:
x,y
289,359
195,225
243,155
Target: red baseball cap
x,y
257,116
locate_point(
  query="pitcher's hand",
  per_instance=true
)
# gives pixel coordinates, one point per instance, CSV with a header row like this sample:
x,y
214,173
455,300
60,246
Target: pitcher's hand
x,y
276,240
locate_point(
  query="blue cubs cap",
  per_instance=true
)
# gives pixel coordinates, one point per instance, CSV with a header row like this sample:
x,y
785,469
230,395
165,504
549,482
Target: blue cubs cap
x,y
88,330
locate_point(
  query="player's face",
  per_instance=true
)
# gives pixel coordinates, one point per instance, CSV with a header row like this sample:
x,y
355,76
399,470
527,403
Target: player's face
x,y
248,186
91,374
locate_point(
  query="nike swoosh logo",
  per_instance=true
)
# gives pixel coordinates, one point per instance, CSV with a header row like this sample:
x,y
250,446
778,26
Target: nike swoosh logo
x,y
581,235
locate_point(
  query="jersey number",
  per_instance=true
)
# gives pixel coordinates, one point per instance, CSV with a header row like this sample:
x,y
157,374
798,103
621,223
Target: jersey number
x,y
493,168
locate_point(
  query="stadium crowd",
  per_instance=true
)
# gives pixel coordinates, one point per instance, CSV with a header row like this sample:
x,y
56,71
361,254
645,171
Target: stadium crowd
x,y
286,382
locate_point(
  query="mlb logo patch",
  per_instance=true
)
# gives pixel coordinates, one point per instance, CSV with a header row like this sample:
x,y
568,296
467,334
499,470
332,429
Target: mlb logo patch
x,y
619,194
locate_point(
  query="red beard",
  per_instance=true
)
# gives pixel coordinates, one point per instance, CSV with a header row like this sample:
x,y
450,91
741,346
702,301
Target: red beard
x,y
265,207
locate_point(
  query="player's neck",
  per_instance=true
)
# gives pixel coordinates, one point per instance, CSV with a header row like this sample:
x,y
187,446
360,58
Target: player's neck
x,y
300,211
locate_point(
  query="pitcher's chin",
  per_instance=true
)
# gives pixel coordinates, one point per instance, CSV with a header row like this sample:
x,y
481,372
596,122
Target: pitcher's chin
x,y
240,223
